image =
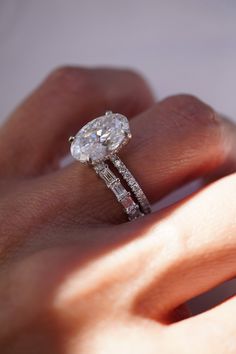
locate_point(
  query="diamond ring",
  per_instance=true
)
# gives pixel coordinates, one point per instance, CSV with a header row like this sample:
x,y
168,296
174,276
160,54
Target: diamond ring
x,y
97,144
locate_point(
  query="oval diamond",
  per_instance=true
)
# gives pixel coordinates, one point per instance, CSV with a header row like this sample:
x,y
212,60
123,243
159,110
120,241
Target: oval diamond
x,y
100,138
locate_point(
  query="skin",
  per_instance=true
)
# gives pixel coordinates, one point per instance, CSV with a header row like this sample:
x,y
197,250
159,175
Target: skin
x,y
75,276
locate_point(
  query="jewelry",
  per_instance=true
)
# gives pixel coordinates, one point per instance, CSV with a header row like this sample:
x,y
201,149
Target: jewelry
x,y
99,141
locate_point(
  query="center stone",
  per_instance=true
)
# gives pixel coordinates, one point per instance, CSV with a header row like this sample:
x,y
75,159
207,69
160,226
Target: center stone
x,y
100,138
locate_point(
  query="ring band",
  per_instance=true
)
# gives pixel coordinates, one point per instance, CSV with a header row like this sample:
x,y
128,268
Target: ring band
x,y
132,183
99,141
123,196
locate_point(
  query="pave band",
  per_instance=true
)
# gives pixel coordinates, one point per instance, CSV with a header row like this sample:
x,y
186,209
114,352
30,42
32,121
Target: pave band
x,y
123,196
99,141
132,183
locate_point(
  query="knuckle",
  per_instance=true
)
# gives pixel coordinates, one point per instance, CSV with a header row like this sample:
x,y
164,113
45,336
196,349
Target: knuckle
x,y
191,108
199,111
143,97
197,118
134,93
70,79
137,78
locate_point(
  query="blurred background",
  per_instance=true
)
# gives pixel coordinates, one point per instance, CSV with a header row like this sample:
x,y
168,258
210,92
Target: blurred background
x,y
179,45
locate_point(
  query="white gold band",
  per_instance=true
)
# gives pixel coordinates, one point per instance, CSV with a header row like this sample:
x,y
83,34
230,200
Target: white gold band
x,y
132,183
131,208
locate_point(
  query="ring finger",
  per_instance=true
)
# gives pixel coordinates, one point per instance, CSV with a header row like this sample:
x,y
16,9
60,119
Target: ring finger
x,y
175,141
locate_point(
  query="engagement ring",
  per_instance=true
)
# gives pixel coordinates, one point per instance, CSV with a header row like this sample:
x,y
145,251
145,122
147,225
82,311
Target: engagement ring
x,y
97,144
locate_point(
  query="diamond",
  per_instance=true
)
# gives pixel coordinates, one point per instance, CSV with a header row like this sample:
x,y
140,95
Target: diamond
x,y
101,138
128,203
100,167
108,176
119,191
135,213
118,163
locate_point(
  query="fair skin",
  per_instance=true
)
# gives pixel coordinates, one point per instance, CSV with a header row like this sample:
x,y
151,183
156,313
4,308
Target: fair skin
x,y
75,276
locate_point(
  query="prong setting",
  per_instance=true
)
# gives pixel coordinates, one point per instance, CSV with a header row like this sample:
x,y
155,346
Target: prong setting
x,y
128,135
100,138
99,141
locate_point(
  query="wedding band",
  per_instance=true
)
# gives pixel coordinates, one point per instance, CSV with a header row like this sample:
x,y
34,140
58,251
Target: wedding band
x,y
97,144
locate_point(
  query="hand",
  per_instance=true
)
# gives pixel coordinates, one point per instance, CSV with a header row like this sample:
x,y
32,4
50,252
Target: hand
x,y
75,277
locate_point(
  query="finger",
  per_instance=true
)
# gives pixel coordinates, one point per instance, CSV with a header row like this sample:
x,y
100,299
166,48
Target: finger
x,y
213,331
184,139
35,136
191,247
175,141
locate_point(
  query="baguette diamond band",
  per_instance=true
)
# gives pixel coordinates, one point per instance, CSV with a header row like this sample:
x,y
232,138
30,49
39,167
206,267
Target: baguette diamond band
x,y
133,184
97,144
123,196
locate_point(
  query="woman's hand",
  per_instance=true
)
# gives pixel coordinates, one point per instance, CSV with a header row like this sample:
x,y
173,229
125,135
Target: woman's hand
x,y
75,277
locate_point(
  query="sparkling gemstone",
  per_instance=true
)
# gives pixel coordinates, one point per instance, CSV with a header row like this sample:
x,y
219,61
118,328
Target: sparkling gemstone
x,y
129,204
108,176
101,137
119,190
